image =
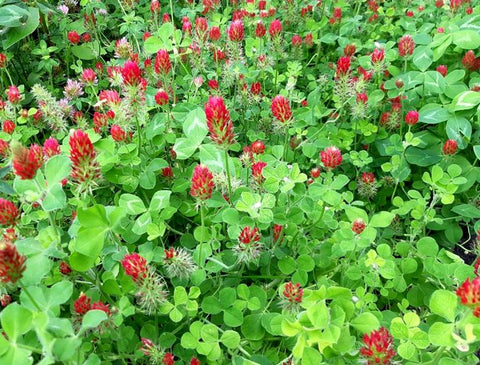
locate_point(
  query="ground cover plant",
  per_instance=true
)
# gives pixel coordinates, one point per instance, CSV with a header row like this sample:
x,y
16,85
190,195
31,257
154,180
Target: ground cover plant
x,y
239,182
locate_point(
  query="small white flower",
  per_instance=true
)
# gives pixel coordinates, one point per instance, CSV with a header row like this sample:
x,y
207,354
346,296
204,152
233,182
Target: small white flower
x,y
256,206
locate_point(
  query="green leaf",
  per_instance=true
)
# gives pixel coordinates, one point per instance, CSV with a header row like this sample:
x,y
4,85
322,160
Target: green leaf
x,y
55,198
132,203
89,241
444,303
381,220
287,265
195,126
211,156
93,217
252,327
466,39
459,129
433,114
230,339
423,157
466,100
434,82
407,350
160,200
440,334
14,35
319,315
422,58
93,318
311,356
209,333
211,305
12,16
467,210
180,295
84,51
16,320
365,322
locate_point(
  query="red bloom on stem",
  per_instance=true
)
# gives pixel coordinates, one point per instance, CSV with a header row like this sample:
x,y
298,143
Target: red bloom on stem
x,y
4,148
368,177
168,359
275,28
412,117
155,7
257,171
258,147
296,40
167,172
248,235
260,29
26,162
5,300
281,109
131,73
51,147
135,266
442,69
13,94
377,56
378,347
8,213
214,33
162,65
469,294
235,31
64,268
309,40
73,37
277,232
450,147
331,157
439,3
469,61
117,133
293,292
315,172
202,183
256,88
161,97
218,121
89,76
213,84
349,50
195,361
12,264
343,66
406,46
358,225
362,98
82,305
8,126
83,155
101,306
3,60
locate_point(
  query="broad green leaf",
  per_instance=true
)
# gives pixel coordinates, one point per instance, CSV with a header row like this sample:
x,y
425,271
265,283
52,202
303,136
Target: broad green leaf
x,y
444,303
252,327
16,320
160,200
466,100
433,114
93,318
365,322
466,39
422,58
14,35
440,334
89,241
230,339
381,220
132,203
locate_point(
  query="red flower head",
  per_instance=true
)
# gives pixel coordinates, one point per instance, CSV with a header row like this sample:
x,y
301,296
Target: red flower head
x,y
4,148
248,235
358,225
256,88
168,359
378,347
167,172
89,76
455,5
260,29
218,122
117,133
275,28
131,73
12,264
331,157
450,147
368,177
469,294
349,50
166,18
161,97
315,172
469,61
469,10
3,60
8,127
155,7
258,147
406,46
277,232
86,37
162,62
337,13
281,109
8,213
411,118
202,183
195,361
378,55
362,98
439,3
51,148
257,171
82,305
82,155
442,69
26,162
213,84
5,300
73,37
13,95
293,292
235,31
296,40
343,67
64,268
101,306
214,34
109,97
135,266
309,40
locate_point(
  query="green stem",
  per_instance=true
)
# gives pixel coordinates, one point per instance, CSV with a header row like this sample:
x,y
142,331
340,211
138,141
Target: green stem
x,y
137,123
227,169
29,348
285,145
34,302
438,355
